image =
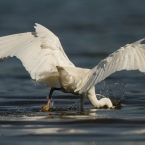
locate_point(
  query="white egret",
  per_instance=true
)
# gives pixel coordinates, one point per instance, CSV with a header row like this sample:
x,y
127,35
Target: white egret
x,y
43,57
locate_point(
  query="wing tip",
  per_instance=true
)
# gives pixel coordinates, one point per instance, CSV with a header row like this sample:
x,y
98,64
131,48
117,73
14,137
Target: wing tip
x,y
36,25
139,41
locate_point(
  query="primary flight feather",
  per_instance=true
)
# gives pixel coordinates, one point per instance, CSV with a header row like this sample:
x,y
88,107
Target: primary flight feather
x,y
43,57
129,57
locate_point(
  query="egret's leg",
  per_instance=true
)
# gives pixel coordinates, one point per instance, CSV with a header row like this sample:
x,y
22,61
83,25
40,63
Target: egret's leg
x,y
82,100
47,106
50,96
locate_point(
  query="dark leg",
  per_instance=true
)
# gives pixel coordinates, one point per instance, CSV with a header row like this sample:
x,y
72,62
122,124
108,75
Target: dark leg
x,y
50,95
46,107
82,100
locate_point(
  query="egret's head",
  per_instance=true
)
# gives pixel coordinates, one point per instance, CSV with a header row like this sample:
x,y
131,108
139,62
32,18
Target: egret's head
x,y
105,103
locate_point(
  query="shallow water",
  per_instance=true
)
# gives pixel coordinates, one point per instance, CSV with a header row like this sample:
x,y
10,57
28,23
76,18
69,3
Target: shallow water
x,y
21,121
88,31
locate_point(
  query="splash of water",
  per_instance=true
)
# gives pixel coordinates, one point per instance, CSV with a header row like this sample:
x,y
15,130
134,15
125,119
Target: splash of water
x,y
52,104
76,105
114,91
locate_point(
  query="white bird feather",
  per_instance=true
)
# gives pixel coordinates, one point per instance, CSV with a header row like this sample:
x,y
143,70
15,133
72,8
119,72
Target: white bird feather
x,y
38,52
129,57
43,57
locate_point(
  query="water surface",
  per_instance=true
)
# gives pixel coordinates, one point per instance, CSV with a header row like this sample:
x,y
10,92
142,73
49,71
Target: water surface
x,y
88,31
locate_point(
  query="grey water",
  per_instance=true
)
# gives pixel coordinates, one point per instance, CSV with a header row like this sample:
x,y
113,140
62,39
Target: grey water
x,y
89,31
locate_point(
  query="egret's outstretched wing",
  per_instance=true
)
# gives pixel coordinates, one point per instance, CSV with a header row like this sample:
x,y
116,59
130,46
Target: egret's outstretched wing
x,y
40,52
129,57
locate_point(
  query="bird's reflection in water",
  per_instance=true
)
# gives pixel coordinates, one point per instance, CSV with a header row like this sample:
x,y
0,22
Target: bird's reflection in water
x,y
87,113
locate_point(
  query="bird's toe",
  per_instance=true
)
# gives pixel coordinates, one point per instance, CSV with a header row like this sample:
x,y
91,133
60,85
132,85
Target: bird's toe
x,y
44,108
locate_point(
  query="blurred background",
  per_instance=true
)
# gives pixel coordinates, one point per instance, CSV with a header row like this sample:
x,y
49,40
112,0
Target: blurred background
x,y
88,31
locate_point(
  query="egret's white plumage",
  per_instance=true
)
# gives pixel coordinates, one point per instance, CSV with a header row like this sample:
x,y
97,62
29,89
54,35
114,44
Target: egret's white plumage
x,y
129,57
44,58
40,52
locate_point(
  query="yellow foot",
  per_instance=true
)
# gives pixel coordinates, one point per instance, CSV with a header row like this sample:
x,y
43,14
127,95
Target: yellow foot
x,y
44,108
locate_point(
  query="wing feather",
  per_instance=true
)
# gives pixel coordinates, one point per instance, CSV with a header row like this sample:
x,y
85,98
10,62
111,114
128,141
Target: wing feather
x,y
129,57
40,52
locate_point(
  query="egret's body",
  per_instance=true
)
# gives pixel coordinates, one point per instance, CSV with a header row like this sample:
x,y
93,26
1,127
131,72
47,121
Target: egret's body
x,y
69,77
43,57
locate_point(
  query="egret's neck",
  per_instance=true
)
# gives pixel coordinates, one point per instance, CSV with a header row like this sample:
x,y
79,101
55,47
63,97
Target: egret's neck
x,y
104,102
92,97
